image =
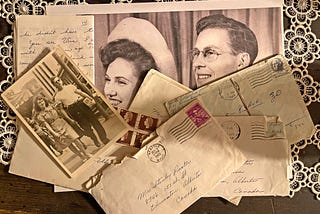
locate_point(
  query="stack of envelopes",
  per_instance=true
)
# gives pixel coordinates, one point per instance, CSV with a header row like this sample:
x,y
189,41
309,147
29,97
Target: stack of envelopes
x,y
229,138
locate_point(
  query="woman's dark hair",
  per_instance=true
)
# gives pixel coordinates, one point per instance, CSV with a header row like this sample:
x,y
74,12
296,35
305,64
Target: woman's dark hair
x,y
241,36
128,50
36,106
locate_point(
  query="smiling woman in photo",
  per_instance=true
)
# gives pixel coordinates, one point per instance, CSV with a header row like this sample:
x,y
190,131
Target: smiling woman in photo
x,y
126,63
134,47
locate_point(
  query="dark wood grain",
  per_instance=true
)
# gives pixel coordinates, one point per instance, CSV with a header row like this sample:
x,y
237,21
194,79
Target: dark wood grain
x,y
22,195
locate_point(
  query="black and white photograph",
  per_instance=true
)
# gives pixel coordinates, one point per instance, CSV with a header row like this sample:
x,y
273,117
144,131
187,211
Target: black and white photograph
x,y
66,114
193,47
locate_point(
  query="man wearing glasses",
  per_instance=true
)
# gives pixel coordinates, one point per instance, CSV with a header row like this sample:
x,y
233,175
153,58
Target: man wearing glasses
x,y
223,45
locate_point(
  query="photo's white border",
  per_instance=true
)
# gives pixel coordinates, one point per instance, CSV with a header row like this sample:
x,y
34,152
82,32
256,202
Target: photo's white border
x,y
160,7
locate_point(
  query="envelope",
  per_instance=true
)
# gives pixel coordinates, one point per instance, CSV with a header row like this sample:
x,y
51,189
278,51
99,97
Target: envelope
x,y
266,88
150,98
262,140
188,157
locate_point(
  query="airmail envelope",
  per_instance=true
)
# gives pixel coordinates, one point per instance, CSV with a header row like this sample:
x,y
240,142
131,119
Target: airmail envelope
x,y
266,88
262,140
188,157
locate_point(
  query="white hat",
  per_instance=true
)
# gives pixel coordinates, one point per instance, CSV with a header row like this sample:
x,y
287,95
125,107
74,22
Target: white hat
x,y
147,35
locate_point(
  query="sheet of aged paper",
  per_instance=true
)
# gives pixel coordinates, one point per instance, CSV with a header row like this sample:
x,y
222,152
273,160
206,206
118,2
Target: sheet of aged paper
x,y
151,96
188,157
266,88
262,140
33,34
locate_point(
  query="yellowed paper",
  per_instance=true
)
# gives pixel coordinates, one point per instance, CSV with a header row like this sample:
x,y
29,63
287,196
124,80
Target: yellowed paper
x,y
262,140
188,157
266,88
35,33
151,96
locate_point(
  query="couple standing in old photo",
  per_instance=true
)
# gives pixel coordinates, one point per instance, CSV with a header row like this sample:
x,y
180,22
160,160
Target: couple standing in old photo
x,y
221,45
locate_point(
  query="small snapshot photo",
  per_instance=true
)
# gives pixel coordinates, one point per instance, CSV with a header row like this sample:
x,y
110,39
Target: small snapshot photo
x,y
64,111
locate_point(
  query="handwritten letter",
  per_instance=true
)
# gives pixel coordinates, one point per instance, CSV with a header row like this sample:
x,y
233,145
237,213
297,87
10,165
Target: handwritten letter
x,y
33,34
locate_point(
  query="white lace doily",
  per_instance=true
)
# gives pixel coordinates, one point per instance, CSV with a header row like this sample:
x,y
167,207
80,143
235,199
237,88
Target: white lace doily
x,y
302,49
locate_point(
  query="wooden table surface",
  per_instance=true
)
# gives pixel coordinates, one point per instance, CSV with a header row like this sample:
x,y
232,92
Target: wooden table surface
x,y
22,195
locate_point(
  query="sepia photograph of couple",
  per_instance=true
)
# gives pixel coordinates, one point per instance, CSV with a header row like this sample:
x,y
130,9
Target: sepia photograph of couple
x,y
192,47
66,114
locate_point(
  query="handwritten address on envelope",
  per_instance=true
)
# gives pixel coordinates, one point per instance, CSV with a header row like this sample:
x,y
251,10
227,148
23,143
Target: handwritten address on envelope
x,y
73,33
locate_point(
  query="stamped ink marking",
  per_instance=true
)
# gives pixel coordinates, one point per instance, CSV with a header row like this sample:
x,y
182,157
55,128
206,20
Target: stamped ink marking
x,y
227,91
232,129
156,153
198,115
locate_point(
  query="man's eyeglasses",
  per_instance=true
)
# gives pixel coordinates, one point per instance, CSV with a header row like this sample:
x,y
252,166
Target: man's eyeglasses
x,y
209,54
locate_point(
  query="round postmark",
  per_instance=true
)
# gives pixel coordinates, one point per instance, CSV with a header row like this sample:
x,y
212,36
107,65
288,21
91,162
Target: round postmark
x,y
232,129
227,90
277,65
156,152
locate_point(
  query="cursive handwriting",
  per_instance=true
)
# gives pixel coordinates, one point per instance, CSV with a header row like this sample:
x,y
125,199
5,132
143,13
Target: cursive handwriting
x,y
46,32
251,191
28,52
25,34
191,178
33,44
178,183
69,39
178,168
35,35
251,104
69,31
165,198
249,162
244,179
184,196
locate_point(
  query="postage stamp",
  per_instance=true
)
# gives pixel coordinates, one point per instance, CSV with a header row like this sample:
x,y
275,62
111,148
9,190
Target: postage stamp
x,y
198,115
